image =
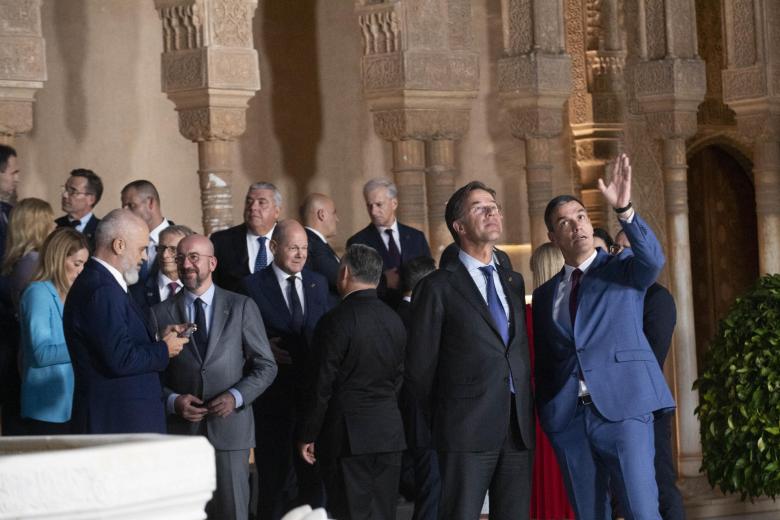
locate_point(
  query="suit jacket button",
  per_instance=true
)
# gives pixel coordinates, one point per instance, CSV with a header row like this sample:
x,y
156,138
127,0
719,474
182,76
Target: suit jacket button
x,y
203,371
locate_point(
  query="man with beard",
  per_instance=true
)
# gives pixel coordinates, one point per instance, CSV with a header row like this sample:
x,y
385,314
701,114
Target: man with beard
x,y
210,387
116,359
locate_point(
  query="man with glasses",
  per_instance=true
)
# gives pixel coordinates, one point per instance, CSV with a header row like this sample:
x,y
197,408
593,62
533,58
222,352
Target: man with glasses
x,y
291,299
80,195
210,387
142,198
246,248
468,368
165,282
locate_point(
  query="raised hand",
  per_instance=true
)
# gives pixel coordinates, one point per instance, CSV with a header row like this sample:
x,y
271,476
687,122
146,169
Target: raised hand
x,y
618,192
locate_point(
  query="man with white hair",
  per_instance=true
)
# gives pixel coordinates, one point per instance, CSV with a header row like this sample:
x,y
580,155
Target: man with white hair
x,y
395,242
116,358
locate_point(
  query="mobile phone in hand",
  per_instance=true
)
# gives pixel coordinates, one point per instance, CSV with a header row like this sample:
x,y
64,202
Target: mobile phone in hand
x,y
186,333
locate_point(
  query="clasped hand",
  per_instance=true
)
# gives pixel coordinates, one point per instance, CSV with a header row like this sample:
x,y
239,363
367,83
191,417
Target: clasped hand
x,y
192,409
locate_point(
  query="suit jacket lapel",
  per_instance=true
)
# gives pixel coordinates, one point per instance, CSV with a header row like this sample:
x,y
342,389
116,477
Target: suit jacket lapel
x,y
270,286
464,284
309,290
219,316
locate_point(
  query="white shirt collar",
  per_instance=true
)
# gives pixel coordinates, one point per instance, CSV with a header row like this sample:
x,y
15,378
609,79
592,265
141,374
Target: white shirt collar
x,y
582,267
268,235
83,219
282,277
322,237
393,226
154,235
207,297
119,277
471,263
163,281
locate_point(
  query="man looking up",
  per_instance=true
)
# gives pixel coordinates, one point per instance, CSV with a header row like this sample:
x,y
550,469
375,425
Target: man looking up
x,y
142,199
80,195
245,248
597,380
116,359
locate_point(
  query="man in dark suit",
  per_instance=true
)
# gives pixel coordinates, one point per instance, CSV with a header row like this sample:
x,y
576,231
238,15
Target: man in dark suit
x,y
352,413
291,299
80,195
395,242
142,198
468,368
246,248
597,380
318,215
9,179
451,252
658,321
165,282
116,360
210,387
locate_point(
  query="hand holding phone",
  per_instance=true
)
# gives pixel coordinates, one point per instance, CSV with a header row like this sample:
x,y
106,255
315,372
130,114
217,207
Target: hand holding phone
x,y
188,331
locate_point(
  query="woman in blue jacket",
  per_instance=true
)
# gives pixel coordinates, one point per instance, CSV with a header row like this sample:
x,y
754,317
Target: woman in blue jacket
x,y
47,374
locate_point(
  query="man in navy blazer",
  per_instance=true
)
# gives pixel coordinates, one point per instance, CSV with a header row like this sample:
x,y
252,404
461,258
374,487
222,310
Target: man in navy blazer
x,y
318,215
245,249
291,300
80,195
597,379
395,242
116,360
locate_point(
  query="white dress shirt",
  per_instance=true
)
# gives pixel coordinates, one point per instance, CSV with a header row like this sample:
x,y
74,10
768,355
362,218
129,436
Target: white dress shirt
x,y
386,239
473,265
83,221
281,278
162,286
253,247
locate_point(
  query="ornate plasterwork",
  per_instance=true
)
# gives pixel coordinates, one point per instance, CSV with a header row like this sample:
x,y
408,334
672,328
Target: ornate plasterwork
x,y
518,27
231,23
183,70
422,124
16,117
525,123
535,74
679,78
22,58
20,17
182,27
744,83
212,123
743,29
381,31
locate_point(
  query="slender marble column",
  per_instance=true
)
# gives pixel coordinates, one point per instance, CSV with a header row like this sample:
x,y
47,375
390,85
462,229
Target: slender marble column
x,y
214,172
409,175
539,179
766,174
440,184
679,262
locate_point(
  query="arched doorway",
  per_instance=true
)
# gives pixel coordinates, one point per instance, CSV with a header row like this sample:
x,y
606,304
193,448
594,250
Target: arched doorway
x,y
724,244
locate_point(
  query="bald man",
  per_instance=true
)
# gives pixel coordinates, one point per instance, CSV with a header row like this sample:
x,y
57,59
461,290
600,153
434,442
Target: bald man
x,y
318,215
142,198
116,359
209,389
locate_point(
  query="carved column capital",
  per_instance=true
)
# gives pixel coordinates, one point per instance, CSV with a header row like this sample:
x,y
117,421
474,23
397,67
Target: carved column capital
x,y
421,124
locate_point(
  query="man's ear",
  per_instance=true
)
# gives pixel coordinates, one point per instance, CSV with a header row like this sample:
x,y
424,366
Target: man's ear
x,y
321,214
551,237
118,246
273,246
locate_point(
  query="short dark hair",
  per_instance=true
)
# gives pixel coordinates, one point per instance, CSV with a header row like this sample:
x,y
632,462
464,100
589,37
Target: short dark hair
x,y
94,184
454,209
6,152
603,234
553,204
364,263
415,270
143,187
176,229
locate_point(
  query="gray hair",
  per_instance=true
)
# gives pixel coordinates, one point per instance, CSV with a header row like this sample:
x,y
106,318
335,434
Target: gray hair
x,y
176,229
268,186
364,263
116,224
381,182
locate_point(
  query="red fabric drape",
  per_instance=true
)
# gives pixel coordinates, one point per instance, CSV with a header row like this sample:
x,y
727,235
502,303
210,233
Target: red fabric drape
x,y
548,494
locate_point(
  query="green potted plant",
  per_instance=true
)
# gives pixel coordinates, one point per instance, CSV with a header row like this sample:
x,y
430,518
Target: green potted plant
x,y
739,396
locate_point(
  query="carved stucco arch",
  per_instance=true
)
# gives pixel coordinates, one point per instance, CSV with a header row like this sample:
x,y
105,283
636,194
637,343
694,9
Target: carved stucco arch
x,y
728,142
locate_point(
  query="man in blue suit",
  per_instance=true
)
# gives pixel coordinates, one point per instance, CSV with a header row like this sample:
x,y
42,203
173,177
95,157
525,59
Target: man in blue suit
x,y
116,359
396,243
291,300
597,379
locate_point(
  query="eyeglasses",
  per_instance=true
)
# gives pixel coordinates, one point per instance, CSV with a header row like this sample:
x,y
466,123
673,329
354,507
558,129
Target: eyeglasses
x,y
162,249
486,210
72,192
193,257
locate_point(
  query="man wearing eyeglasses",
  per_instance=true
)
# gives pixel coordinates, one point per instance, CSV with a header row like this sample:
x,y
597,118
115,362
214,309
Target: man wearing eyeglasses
x,y
142,198
468,368
165,281
80,195
210,387
291,299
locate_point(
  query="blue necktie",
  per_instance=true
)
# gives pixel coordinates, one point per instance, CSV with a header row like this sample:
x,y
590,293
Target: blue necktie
x,y
497,312
261,260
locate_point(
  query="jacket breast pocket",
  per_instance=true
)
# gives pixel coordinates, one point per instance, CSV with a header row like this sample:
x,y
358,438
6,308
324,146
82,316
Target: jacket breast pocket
x,y
634,355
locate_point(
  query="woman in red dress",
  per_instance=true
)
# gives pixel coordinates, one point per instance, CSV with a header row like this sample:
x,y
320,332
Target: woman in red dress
x,y
548,493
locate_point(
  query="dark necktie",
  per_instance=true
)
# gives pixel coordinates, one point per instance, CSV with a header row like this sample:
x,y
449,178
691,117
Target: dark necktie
x,y
392,248
296,309
173,288
497,312
74,223
201,335
575,287
261,260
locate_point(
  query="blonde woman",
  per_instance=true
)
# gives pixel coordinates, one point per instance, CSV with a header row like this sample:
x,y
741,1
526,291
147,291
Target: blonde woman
x,y
47,373
548,498
29,224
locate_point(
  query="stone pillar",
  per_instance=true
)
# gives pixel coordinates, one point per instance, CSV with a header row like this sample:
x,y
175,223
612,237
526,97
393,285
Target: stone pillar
x,y
22,65
420,76
440,185
751,89
210,72
534,81
669,84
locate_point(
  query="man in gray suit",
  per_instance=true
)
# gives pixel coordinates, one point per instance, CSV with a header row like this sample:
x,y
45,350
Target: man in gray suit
x,y
210,388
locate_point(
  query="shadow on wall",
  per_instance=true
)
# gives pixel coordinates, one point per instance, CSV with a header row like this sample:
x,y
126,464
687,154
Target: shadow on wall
x,y
289,34
70,30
